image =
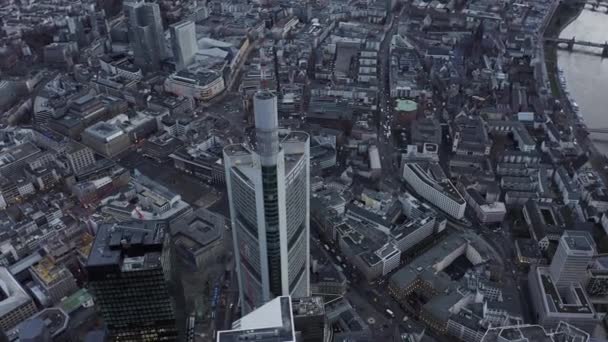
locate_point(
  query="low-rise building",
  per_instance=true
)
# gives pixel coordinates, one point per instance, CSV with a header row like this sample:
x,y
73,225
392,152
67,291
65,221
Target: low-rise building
x,y
203,160
274,318
570,192
55,280
368,249
527,332
486,212
528,252
198,237
15,304
431,184
557,291
545,222
553,305
200,84
107,139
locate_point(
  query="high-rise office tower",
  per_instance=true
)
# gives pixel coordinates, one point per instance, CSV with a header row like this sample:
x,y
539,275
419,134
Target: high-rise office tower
x,y
128,269
268,189
146,34
574,254
183,37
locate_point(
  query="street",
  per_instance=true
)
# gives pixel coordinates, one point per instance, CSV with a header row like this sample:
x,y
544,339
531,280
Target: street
x,y
386,146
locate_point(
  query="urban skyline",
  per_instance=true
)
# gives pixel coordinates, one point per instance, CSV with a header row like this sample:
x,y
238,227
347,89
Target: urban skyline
x,y
311,171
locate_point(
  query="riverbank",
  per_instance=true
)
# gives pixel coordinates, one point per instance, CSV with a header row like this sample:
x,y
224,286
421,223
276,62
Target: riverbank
x,y
564,15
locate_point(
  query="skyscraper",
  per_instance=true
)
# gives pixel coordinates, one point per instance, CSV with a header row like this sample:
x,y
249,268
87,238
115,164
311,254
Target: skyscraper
x,y
183,37
268,189
128,268
146,34
574,254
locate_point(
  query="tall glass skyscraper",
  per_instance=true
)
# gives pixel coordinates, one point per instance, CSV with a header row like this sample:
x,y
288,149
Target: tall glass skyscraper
x,y
128,270
183,37
146,33
268,188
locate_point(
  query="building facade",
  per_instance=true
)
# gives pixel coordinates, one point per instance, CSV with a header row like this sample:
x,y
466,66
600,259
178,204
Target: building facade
x,y
128,270
440,192
268,191
183,35
146,34
200,84
15,304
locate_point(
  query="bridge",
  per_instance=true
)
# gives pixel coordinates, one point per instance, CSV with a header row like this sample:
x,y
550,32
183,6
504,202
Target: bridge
x,y
572,41
595,4
597,130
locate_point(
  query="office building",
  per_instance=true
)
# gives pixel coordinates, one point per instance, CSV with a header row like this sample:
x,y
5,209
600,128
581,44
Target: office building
x,y
106,138
557,291
15,304
597,283
271,322
128,268
146,34
55,279
553,304
198,238
49,325
200,83
79,156
309,319
268,191
34,330
432,184
572,258
527,332
183,36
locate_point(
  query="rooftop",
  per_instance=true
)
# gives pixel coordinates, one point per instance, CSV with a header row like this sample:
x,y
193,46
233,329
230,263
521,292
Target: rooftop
x,y
429,265
104,131
308,306
49,272
11,292
272,322
199,76
406,105
535,333
128,245
443,185
197,229
554,301
579,242
17,153
54,319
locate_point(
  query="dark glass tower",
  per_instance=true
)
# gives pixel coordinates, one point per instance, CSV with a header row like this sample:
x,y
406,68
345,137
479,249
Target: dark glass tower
x,y
128,270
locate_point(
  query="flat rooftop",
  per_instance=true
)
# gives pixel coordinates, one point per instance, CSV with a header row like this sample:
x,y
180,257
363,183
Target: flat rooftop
x,y
104,131
12,293
272,322
535,333
553,299
443,185
128,245
198,229
578,241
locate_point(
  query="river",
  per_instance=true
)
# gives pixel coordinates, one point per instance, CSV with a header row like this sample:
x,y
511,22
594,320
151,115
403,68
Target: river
x,y
586,72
